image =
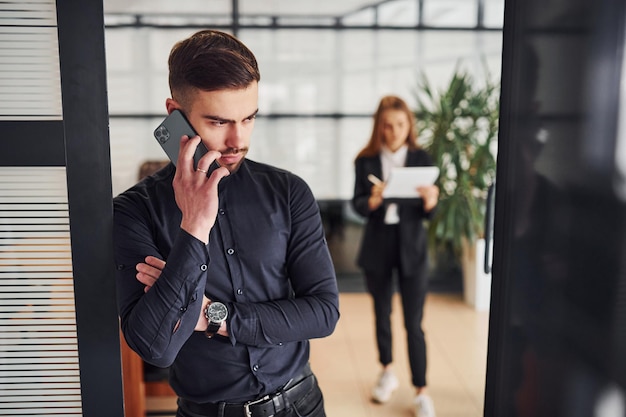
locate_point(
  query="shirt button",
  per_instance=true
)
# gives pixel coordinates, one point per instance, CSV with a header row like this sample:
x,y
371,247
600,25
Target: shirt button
x,y
222,212
183,309
230,251
203,267
255,368
239,291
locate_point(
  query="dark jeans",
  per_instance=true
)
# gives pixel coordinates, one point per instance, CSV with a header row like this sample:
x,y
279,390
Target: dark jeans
x,y
413,287
310,404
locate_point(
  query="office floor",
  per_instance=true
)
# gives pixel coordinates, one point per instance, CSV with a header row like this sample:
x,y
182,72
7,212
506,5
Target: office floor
x,y
346,362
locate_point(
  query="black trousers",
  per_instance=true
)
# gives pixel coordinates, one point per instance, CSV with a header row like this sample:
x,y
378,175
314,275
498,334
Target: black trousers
x,y
412,286
299,398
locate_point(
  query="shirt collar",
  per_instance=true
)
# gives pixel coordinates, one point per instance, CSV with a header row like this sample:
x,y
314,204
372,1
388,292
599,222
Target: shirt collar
x,y
398,157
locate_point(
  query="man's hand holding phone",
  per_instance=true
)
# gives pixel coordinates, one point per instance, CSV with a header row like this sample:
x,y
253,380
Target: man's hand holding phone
x,y
195,185
196,189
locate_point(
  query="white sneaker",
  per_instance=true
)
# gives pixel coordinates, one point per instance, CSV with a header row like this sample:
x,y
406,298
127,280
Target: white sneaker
x,y
424,406
387,384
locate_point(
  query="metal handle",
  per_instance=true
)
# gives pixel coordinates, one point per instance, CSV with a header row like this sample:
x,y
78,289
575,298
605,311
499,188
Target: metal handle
x,y
489,215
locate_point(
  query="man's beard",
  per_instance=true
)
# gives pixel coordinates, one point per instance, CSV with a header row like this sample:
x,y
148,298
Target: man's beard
x,y
234,151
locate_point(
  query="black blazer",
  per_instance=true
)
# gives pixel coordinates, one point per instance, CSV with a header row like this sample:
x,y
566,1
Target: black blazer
x,y
413,239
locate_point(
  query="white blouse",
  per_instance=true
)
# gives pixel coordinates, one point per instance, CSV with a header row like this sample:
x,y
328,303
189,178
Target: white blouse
x,y
390,160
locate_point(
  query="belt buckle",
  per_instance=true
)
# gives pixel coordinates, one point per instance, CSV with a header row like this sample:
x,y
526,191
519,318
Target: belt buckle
x,y
246,406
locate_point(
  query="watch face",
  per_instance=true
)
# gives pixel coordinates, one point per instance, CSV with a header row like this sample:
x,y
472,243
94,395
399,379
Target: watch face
x,y
217,312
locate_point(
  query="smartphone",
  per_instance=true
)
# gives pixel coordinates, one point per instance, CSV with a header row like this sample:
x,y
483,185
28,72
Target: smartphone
x,y
170,131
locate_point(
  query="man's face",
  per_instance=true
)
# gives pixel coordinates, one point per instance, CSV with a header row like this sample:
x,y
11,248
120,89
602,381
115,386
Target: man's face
x,y
224,119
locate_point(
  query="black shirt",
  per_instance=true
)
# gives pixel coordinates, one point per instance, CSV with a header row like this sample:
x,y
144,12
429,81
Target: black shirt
x,y
267,260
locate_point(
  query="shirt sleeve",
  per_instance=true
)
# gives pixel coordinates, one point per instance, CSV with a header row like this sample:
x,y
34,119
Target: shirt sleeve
x,y
313,311
158,322
362,189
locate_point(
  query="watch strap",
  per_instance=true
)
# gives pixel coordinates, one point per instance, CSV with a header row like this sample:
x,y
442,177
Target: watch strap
x,y
212,328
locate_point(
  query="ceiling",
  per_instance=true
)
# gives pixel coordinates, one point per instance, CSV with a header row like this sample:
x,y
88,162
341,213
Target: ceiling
x,y
247,7
396,13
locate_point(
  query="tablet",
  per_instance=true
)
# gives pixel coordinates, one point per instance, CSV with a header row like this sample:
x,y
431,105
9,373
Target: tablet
x,y
403,181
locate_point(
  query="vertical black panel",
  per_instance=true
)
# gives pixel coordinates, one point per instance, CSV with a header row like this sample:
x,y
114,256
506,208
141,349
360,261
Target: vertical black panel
x,y
33,143
499,330
557,332
85,118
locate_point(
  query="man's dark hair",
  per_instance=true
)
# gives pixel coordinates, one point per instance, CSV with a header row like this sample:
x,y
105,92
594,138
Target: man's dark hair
x,y
210,60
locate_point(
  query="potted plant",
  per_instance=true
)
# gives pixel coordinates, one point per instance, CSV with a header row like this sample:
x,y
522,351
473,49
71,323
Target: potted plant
x,y
458,126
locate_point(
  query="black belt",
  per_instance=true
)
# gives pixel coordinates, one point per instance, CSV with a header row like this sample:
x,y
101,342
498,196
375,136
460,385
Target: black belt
x,y
266,406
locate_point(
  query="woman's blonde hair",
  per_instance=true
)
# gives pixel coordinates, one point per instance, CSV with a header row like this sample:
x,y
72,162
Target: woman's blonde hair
x,y
375,143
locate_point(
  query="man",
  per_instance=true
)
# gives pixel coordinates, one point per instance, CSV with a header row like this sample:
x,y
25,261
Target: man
x,y
224,275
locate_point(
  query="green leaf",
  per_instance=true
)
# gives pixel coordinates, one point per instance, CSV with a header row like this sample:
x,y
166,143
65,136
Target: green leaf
x,y
459,123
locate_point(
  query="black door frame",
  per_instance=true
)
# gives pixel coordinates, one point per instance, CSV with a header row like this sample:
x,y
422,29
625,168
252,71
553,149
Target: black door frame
x,y
88,168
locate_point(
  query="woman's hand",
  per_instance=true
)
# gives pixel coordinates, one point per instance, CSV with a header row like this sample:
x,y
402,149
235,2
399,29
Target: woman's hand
x,y
430,195
376,196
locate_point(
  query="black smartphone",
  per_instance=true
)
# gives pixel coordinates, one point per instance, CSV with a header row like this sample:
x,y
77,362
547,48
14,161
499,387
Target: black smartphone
x,y
170,131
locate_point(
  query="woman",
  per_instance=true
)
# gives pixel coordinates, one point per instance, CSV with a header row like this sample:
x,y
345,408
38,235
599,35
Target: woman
x,y
395,240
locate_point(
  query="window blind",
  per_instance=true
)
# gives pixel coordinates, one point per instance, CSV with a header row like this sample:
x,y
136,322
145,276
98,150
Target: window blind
x,y
39,372
30,86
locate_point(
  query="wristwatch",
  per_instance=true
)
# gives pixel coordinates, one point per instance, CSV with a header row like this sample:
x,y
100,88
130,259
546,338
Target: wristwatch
x,y
215,313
